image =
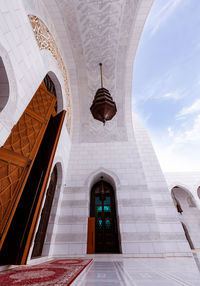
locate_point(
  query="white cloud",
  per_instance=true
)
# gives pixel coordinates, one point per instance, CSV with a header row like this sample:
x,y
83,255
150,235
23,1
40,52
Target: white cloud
x,y
194,133
160,15
156,90
190,135
195,107
178,162
179,151
170,132
172,95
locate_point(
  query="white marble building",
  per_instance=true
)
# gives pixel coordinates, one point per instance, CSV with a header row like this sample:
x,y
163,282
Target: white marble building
x,y
67,39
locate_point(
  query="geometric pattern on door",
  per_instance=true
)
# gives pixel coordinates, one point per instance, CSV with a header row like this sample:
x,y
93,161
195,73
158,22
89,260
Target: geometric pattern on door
x,y
19,151
23,136
9,178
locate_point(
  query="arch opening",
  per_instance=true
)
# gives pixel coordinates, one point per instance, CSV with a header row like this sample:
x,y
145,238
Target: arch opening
x,y
53,85
186,206
45,214
108,176
103,209
4,86
183,199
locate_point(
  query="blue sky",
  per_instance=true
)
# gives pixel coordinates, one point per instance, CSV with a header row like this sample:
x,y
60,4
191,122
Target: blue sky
x,y
166,82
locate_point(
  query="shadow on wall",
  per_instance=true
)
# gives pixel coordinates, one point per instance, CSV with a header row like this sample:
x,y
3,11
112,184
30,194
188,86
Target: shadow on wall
x,y
53,85
198,192
4,86
187,235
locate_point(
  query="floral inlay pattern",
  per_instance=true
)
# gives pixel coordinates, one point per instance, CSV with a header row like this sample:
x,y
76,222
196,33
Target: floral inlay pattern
x,y
46,41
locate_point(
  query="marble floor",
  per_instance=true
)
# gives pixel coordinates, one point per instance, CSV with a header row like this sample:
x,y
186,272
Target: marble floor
x,y
109,270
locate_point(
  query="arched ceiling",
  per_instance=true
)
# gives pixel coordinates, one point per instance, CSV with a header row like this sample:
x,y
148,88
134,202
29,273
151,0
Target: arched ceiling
x,y
106,31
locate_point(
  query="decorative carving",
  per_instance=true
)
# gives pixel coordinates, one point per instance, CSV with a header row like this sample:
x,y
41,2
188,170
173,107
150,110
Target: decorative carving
x,y
25,132
19,150
47,42
23,135
40,103
95,34
99,33
9,177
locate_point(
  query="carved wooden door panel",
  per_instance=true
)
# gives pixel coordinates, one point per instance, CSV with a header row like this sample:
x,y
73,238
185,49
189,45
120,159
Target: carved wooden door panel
x,y
19,151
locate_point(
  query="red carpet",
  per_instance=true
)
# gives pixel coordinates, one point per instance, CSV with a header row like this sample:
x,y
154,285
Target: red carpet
x,y
56,272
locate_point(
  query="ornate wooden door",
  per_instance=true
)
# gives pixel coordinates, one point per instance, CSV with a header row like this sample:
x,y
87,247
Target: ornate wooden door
x,y
22,228
103,209
18,153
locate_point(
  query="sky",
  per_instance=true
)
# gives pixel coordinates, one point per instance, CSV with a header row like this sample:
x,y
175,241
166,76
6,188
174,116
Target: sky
x,y
166,83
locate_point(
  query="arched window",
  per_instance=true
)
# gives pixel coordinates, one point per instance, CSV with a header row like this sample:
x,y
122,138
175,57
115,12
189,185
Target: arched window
x,y
4,86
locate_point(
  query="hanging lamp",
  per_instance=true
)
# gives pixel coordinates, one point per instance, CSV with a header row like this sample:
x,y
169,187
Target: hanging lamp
x,y
103,107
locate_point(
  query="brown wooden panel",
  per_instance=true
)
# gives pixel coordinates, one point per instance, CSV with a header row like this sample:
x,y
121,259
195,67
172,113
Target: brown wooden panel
x,y
11,178
14,158
91,235
19,151
40,104
23,136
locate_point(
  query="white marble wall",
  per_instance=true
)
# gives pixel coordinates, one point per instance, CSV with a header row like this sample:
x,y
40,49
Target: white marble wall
x,y
148,221
171,231
148,224
26,66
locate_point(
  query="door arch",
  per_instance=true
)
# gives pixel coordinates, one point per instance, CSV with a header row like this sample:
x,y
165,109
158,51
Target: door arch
x,y
102,207
41,233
